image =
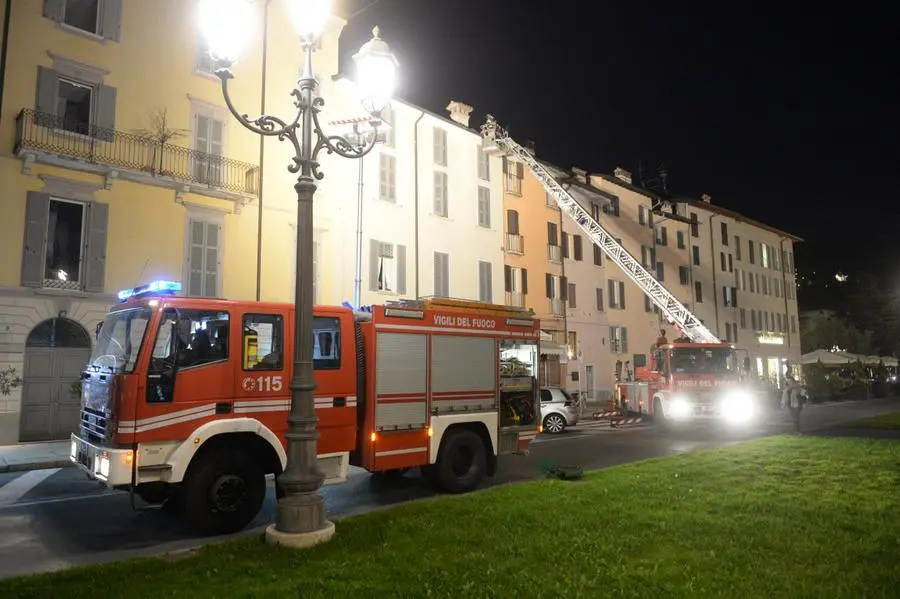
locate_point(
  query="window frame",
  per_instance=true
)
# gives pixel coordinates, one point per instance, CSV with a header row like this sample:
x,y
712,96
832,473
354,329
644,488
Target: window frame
x,y
261,316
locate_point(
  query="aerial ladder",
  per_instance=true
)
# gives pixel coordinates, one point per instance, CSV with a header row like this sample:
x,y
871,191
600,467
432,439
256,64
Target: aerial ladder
x,y
498,142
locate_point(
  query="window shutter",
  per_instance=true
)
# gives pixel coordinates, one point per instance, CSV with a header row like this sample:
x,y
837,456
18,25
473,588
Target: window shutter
x,y
598,255
505,165
563,288
577,247
549,284
507,278
487,293
37,213
624,340
211,260
571,296
111,28
45,96
520,170
512,222
383,176
373,264
524,281
621,294
95,254
551,233
613,300
54,9
600,299
106,114
564,242
401,269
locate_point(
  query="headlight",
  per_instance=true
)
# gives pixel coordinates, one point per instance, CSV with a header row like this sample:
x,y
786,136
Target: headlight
x,y
679,407
738,407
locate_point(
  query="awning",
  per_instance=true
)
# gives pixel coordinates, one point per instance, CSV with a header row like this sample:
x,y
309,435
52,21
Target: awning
x,y
550,348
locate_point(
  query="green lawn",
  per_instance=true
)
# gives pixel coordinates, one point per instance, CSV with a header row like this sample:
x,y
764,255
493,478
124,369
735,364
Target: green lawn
x,y
888,421
777,517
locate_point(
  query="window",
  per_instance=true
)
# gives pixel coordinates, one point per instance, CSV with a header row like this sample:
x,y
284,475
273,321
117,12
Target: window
x,y
765,285
684,275
64,254
551,234
74,99
600,299
751,255
484,207
82,14
513,172
571,296
515,279
695,250
662,236
204,261
201,338
618,340
743,316
387,267
387,178
793,324
551,203
616,294
484,165
724,227
441,274
512,222
74,106
388,131
730,264
648,305
550,283
764,255
485,276
577,247
598,255
752,285
680,238
660,272
753,320
208,143
326,343
205,62
642,216
564,243
440,146
572,342
698,292
440,194
695,225
724,264
737,248
263,342
728,296
595,211
646,257
612,208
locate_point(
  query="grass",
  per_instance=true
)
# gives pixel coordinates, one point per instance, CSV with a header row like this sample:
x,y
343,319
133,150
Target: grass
x,y
885,422
776,517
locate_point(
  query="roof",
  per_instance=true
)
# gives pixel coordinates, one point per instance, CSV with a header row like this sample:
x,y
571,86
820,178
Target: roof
x,y
588,189
737,216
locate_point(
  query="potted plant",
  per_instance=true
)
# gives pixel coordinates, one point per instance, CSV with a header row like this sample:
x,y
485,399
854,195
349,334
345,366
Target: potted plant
x,y
9,380
157,135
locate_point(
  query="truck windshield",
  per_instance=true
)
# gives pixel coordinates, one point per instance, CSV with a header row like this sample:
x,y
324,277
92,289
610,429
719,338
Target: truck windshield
x,y
703,360
120,340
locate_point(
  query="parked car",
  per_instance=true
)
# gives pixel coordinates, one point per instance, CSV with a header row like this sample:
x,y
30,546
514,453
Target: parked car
x,y
558,410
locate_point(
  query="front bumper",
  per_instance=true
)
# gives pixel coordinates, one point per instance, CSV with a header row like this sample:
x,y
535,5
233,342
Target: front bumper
x,y
110,466
709,413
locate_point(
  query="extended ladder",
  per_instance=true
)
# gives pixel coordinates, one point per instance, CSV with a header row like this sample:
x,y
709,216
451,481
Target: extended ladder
x,y
658,294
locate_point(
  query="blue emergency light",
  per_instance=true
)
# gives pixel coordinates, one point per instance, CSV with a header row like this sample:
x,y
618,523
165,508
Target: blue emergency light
x,y
157,287
360,309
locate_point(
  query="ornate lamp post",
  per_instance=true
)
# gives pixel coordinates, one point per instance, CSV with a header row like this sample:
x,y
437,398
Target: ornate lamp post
x,y
300,519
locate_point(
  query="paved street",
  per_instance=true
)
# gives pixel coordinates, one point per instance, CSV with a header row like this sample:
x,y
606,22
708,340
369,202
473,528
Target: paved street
x,y
56,518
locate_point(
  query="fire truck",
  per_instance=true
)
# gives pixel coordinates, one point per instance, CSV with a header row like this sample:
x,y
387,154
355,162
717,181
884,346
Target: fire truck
x,y
185,400
696,379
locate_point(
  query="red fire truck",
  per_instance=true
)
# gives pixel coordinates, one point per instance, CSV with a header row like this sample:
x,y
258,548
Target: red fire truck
x,y
185,400
689,382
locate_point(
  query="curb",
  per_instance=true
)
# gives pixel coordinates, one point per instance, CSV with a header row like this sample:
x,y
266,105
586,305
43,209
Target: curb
x,y
6,467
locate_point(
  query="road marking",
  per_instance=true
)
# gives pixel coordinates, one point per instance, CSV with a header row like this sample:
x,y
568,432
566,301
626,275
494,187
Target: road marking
x,y
14,490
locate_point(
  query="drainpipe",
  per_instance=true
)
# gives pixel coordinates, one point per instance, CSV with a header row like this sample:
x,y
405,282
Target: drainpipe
x,y
712,253
4,51
565,315
262,152
357,283
416,195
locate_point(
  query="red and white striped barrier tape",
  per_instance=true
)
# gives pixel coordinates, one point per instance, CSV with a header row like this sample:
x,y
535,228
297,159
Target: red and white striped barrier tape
x,y
625,421
601,415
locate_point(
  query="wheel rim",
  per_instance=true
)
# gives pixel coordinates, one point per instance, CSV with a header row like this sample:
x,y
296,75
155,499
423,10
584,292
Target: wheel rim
x,y
228,493
554,423
463,460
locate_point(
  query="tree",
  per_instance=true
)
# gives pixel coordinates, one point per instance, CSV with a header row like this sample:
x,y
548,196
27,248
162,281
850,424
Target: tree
x,y
874,305
158,134
828,331
9,380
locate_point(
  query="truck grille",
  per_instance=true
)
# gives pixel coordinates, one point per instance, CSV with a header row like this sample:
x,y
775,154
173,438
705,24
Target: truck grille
x,y
93,425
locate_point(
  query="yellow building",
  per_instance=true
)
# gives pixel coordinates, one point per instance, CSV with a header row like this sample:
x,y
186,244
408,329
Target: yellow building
x,y
120,165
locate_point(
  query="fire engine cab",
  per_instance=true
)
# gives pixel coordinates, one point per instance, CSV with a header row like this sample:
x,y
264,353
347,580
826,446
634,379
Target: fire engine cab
x,y
690,382
185,400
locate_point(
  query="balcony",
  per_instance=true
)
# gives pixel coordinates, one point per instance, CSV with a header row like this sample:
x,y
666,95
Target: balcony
x,y
46,139
515,299
554,253
557,307
515,244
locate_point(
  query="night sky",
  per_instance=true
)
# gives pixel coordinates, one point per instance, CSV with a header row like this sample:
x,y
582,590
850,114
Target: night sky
x,y
785,115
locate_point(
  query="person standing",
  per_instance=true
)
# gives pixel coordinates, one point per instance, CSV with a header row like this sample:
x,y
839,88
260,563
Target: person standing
x,y
793,398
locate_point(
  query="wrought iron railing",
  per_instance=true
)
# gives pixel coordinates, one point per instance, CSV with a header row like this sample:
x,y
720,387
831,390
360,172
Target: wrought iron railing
x,y
65,138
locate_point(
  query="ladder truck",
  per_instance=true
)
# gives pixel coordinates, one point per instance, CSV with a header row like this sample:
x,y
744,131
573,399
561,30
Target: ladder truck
x,y
692,380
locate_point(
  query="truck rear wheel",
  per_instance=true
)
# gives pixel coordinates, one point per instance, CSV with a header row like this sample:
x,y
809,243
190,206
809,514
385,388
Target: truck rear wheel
x,y
462,462
223,492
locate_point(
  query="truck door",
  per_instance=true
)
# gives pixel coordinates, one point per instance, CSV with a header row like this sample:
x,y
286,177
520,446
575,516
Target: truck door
x,y
189,375
261,375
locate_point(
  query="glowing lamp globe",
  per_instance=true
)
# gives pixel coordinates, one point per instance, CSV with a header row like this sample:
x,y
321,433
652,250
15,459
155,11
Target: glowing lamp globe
x,y
226,25
309,17
376,73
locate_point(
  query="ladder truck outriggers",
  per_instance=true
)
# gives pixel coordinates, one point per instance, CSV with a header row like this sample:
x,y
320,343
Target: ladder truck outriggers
x,y
185,400
697,377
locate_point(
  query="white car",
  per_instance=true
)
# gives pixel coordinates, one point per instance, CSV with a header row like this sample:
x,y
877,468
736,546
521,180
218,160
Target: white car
x,y
558,410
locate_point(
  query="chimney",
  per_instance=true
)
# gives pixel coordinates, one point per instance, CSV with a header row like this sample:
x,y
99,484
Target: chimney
x,y
622,174
459,112
706,198
581,175
529,145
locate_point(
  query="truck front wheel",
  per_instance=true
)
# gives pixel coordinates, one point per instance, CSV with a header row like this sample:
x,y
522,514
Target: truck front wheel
x,y
223,492
462,462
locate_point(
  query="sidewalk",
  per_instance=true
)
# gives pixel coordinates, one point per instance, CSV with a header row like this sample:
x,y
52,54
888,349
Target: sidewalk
x,y
34,456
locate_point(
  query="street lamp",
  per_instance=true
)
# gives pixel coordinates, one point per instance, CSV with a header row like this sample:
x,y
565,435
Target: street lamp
x,y
300,518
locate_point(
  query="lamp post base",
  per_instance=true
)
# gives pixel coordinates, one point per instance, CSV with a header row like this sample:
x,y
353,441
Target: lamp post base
x,y
299,540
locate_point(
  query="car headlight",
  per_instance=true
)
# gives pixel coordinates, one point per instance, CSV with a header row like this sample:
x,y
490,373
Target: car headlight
x,y
738,407
679,407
